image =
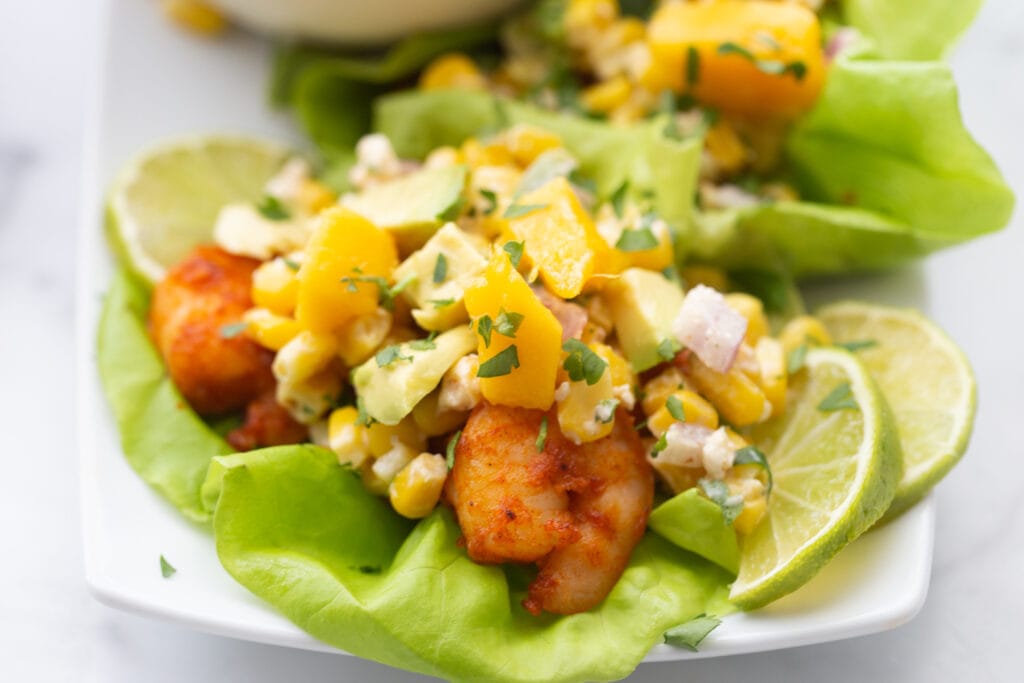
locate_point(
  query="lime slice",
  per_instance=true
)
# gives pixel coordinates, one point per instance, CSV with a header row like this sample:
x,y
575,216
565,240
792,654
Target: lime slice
x,y
925,378
835,473
166,201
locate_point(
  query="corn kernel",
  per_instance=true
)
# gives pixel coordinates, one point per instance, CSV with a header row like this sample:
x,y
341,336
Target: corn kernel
x,y
735,395
416,490
621,374
751,308
805,329
387,466
433,422
607,96
725,146
452,70
442,157
270,330
746,481
586,412
772,359
304,356
360,338
526,143
478,154
696,410
195,16
314,196
346,437
310,399
705,275
275,286
381,438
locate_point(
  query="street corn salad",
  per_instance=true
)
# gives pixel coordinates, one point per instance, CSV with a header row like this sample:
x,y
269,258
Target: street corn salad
x,y
514,381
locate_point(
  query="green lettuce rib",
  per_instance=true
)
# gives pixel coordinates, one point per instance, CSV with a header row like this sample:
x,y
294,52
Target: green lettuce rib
x,y
911,29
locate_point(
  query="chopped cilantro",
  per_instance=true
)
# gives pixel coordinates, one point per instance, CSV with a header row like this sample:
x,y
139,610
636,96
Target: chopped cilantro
x,y
508,323
450,452
272,209
424,344
542,435
515,252
853,346
691,633
582,363
500,364
692,66
292,265
841,398
442,303
769,66
668,348
659,445
618,199
675,408
605,411
166,569
751,455
640,239
718,492
389,354
385,294
483,327
491,197
440,269
795,359
232,330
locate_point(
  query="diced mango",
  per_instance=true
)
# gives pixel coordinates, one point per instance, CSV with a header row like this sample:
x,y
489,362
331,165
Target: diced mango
x,y
416,489
737,398
344,245
607,96
750,57
526,143
270,330
275,286
560,237
537,341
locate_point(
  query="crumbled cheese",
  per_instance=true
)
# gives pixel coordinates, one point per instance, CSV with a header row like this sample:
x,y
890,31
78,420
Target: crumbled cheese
x,y
387,466
562,392
605,412
718,454
242,230
287,185
624,392
376,162
460,387
684,445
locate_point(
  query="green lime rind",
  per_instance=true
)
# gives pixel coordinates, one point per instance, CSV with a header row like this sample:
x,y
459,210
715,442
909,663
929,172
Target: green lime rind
x,y
927,381
166,200
862,488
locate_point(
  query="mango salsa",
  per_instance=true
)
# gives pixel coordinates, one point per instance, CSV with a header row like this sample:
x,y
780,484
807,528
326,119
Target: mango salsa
x,y
529,382
335,281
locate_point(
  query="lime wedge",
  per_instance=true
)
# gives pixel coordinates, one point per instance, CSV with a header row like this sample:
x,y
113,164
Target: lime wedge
x,y
835,460
925,378
166,201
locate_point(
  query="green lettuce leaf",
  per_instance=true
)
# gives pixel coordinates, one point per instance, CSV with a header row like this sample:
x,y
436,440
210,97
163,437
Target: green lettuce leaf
x,y
301,532
917,30
642,154
164,441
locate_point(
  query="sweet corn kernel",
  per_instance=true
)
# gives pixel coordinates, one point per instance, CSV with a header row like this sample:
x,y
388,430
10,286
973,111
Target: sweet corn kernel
x,y
607,96
371,482
586,15
751,308
725,146
360,338
772,359
747,482
415,491
304,356
387,466
621,374
310,399
696,410
275,286
657,390
381,438
314,196
346,437
452,70
434,422
805,329
442,157
709,276
736,396
195,16
270,330
586,412
526,143
478,154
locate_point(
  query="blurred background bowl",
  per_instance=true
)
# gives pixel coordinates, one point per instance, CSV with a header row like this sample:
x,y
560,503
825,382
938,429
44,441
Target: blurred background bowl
x,y
358,22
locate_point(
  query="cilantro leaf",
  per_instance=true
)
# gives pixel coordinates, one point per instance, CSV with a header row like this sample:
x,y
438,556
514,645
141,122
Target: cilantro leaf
x,y
167,570
292,265
772,67
841,398
675,408
483,328
508,323
751,455
668,348
618,199
515,252
605,411
442,303
718,492
450,452
389,354
424,344
518,210
500,364
582,363
659,445
232,330
440,269
542,435
691,633
854,346
385,295
272,209
491,197
795,359
640,239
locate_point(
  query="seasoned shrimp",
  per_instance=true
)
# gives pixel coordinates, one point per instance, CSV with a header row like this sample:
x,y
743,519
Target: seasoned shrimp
x,y
576,510
215,372
267,423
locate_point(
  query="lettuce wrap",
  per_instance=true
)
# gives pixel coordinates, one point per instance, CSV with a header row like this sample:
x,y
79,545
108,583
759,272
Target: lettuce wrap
x,y
301,531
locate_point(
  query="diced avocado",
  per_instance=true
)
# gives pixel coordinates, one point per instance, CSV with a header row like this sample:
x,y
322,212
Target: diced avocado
x,y
439,305
644,304
390,393
412,207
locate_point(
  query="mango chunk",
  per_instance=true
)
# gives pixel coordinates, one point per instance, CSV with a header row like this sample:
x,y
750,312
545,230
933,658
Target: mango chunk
x,y
748,57
344,245
537,340
559,237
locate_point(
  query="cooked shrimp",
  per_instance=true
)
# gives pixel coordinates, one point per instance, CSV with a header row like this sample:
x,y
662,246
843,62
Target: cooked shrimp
x,y
209,289
576,510
267,423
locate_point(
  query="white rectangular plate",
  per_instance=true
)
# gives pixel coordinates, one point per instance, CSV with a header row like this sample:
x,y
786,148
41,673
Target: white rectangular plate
x,y
156,82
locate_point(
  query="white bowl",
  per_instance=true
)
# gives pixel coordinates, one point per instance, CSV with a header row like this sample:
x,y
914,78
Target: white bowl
x,y
358,22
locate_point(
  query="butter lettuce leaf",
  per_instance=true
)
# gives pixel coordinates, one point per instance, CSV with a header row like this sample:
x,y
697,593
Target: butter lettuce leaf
x,y
917,30
164,441
301,532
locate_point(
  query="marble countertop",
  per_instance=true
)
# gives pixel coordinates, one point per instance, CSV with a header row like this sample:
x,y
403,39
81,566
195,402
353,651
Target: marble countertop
x,y
52,630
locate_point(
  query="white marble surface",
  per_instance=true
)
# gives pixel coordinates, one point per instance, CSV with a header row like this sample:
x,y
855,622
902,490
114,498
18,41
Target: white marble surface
x,y
52,630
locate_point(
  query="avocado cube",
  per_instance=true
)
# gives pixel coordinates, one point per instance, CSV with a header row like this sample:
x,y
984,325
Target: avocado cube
x,y
644,303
